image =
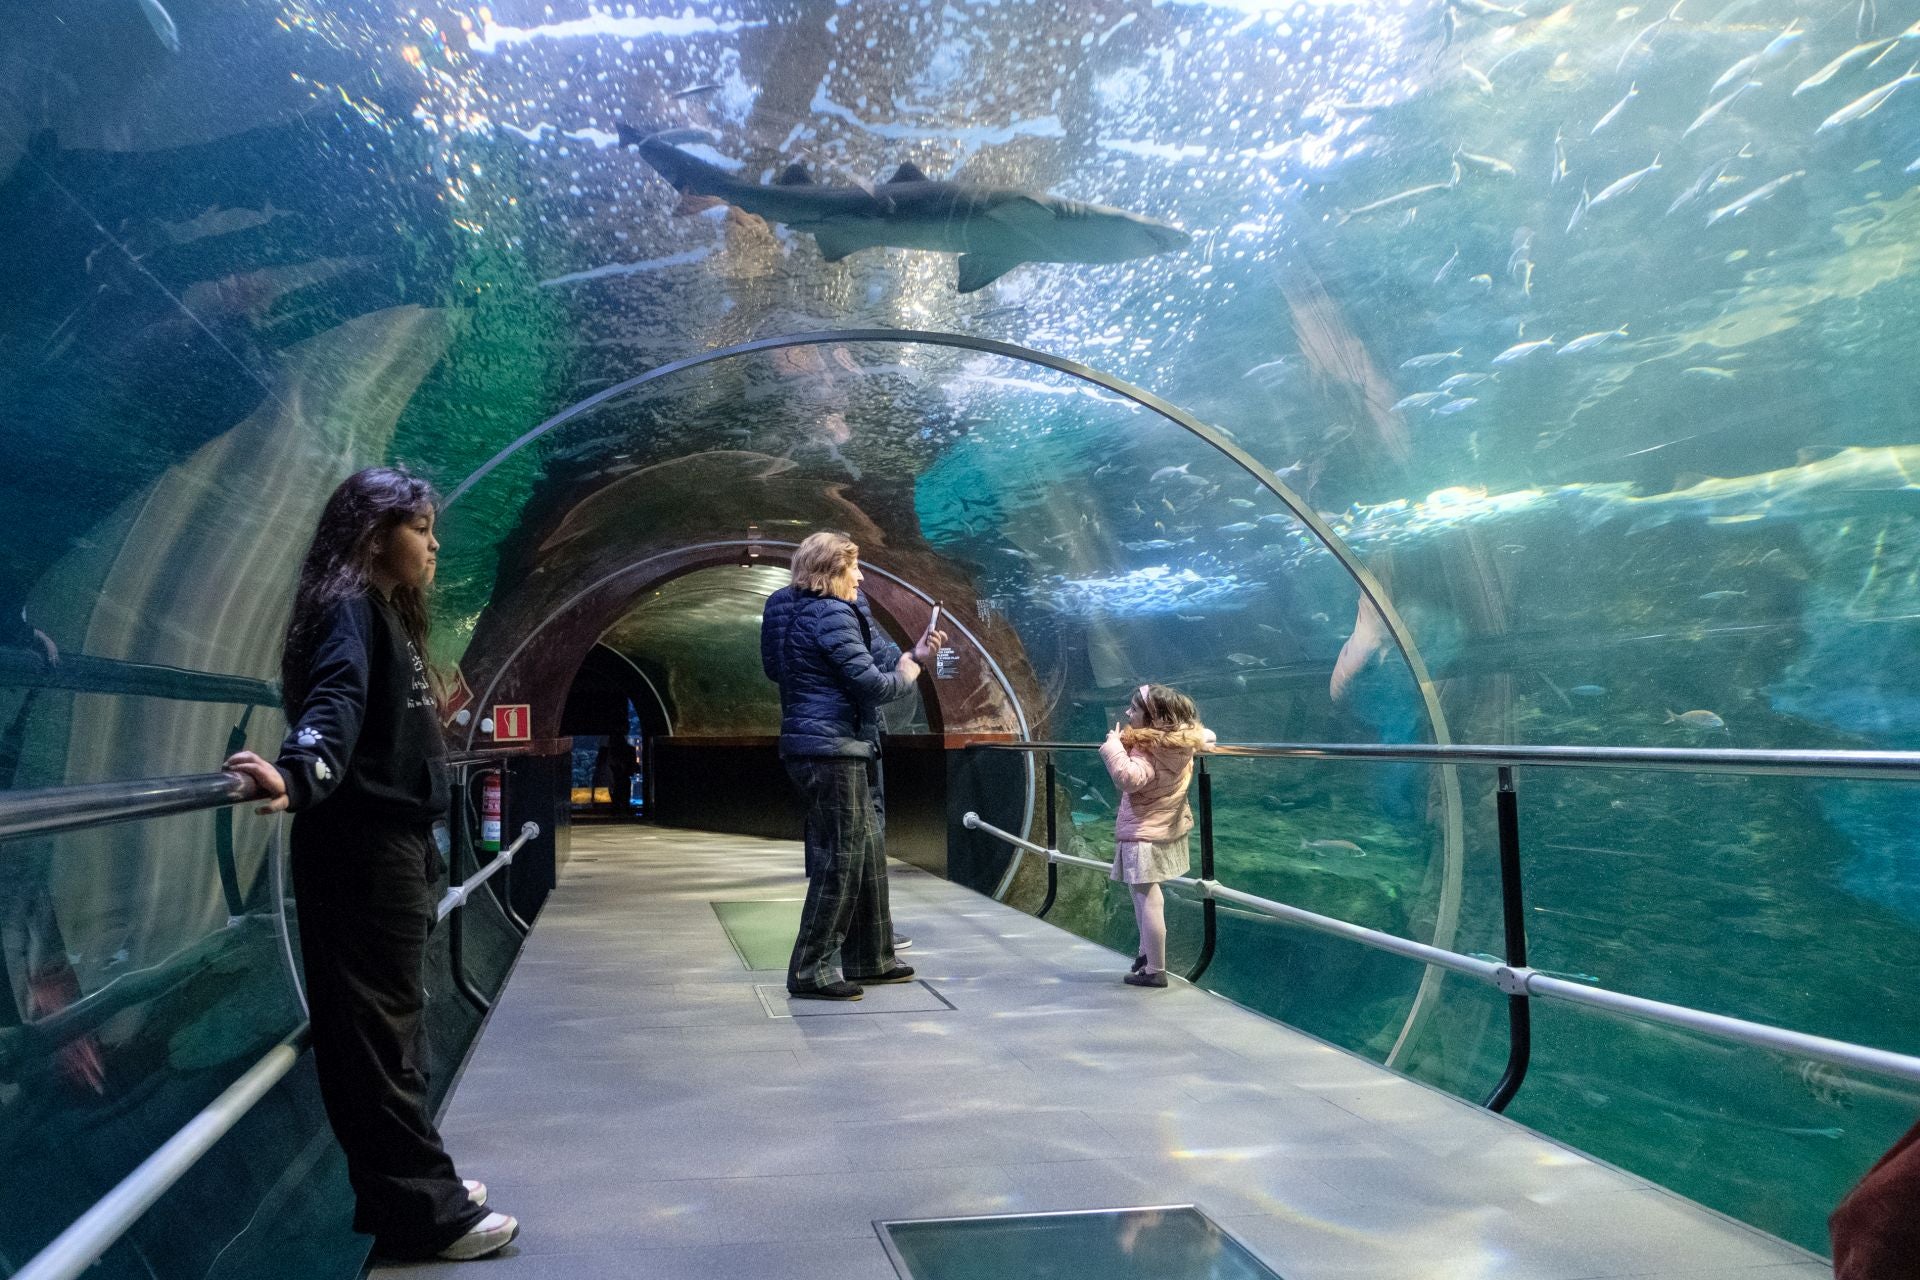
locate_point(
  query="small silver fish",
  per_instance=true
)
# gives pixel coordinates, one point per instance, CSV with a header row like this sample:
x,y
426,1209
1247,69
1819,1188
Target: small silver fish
x,y
1644,40
1165,474
1446,268
1559,159
1430,359
1275,517
1718,107
1417,399
1459,380
1709,371
1624,186
1246,660
1753,61
1492,164
1239,502
1521,350
1579,211
1753,197
1486,9
1332,846
1722,595
162,23
1478,77
1709,178
1738,70
1399,197
1588,341
1239,526
690,90
1484,280
1613,112
1457,406
1841,63
1869,102
1700,721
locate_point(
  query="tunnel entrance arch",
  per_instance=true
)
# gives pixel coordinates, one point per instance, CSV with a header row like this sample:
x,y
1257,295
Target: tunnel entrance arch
x,y
1372,594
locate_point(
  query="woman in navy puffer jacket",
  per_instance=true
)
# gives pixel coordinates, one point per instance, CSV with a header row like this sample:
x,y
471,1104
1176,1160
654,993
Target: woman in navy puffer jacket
x,y
815,643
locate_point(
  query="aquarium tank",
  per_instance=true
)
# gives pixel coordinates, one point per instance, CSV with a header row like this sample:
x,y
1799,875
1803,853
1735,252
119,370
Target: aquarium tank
x,y
1375,371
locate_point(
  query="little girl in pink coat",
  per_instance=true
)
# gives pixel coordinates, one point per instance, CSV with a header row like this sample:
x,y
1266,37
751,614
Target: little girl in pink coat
x,y
1150,758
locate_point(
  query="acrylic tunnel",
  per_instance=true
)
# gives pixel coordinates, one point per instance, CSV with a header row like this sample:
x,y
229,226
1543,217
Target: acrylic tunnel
x,y
1418,375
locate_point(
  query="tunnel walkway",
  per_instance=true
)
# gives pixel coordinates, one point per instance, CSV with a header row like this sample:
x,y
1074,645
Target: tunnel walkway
x,y
635,1104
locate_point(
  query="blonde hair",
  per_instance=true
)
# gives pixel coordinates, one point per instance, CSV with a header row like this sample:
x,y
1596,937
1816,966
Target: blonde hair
x,y
823,564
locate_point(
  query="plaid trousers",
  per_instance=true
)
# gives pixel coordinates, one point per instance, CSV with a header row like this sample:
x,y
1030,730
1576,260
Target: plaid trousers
x,y
846,926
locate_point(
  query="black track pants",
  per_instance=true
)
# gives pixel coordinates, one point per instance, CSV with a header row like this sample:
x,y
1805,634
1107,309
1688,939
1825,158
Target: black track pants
x,y
365,908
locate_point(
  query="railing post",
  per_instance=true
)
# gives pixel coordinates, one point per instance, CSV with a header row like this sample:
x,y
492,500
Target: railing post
x,y
1513,911
1209,921
1053,869
456,929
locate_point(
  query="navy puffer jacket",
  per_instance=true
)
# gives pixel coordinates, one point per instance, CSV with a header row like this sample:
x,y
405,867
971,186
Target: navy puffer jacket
x,y
819,650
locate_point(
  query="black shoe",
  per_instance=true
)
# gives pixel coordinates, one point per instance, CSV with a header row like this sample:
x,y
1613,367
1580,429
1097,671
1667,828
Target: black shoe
x,y
832,991
901,941
899,973
1144,978
1140,962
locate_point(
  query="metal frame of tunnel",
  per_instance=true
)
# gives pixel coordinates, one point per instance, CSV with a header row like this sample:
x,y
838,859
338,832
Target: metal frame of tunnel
x,y
1446,917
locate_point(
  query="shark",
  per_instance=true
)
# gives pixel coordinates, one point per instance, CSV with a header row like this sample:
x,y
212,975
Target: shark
x,y
993,229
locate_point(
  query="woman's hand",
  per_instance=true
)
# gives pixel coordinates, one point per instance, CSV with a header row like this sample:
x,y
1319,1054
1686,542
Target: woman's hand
x,y
1118,727
264,776
930,643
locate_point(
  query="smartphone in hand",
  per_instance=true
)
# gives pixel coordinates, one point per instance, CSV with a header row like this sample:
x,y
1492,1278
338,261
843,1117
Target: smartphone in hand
x,y
933,623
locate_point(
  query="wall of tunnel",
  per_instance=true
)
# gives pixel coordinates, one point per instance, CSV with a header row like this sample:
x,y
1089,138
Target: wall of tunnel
x,y
1503,378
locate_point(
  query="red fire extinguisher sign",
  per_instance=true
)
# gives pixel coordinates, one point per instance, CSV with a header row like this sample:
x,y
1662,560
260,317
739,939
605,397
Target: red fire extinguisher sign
x,y
490,806
512,722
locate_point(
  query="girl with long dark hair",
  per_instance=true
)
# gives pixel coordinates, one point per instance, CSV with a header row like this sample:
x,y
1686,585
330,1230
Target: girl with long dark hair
x,y
364,769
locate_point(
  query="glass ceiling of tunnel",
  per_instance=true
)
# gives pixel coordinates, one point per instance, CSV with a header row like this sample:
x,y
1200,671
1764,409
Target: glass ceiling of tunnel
x,y
697,639
1120,546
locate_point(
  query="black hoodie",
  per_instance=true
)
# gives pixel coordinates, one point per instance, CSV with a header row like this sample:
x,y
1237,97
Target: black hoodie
x,y
366,742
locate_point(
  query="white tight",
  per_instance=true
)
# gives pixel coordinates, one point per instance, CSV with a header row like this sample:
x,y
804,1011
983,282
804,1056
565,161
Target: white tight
x,y
1150,916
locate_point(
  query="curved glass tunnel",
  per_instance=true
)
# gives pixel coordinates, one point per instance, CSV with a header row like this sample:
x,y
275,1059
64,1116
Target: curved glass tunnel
x,y
1597,373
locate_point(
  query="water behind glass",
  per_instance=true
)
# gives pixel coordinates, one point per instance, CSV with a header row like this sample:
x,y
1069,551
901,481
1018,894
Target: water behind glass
x,y
1600,366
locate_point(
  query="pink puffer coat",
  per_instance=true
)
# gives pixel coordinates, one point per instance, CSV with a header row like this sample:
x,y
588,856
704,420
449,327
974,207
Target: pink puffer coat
x,y
1152,768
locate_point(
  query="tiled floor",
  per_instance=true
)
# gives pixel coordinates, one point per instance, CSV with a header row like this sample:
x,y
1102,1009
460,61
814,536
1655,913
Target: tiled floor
x,y
634,1104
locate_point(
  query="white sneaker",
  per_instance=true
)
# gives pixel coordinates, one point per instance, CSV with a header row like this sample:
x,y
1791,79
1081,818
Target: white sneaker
x,y
476,1190
490,1235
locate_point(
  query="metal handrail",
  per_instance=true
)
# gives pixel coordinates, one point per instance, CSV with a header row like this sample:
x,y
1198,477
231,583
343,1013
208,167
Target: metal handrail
x,y
90,1235
97,804
1812,764
86,673
456,897
974,822
1521,981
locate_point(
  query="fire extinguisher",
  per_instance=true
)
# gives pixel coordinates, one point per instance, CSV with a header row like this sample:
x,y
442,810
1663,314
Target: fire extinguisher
x,y
490,804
